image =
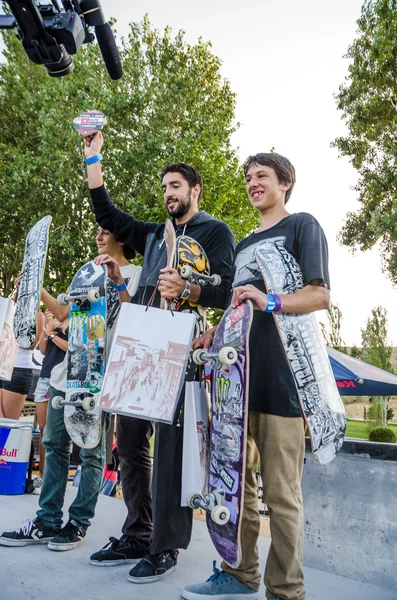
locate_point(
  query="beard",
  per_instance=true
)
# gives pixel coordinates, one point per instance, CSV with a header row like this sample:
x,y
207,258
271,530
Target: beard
x,y
183,206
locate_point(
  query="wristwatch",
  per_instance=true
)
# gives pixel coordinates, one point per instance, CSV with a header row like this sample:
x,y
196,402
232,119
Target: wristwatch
x,y
186,292
51,335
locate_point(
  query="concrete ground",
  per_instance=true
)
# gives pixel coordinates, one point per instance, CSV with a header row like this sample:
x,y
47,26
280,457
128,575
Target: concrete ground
x,y
36,573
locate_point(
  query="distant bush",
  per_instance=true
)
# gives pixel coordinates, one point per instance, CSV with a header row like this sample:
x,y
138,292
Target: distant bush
x,y
382,434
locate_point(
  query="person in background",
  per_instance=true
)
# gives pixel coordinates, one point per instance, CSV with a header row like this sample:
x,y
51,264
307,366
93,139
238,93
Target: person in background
x,y
13,393
53,346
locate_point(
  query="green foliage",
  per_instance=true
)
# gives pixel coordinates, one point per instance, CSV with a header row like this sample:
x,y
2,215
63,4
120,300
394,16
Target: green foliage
x,y
376,349
382,434
390,414
355,352
375,414
331,331
170,105
368,100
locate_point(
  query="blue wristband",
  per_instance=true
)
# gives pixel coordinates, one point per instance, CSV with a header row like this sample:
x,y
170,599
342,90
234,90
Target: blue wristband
x,y
93,159
121,288
271,303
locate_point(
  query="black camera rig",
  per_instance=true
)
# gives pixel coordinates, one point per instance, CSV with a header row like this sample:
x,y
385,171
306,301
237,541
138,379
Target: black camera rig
x,y
50,32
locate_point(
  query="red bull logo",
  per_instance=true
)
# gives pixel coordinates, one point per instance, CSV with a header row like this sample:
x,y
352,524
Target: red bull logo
x,y
2,461
9,454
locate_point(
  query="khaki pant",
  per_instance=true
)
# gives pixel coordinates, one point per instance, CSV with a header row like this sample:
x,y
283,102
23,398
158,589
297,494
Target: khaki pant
x,y
281,445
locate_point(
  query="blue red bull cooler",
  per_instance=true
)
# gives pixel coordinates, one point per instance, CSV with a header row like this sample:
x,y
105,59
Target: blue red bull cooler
x,y
15,443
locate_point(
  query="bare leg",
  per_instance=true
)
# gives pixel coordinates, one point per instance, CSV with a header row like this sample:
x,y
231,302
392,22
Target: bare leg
x,y
12,404
1,404
41,411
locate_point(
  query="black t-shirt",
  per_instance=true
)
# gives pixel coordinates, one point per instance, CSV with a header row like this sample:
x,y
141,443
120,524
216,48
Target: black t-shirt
x,y
54,355
272,388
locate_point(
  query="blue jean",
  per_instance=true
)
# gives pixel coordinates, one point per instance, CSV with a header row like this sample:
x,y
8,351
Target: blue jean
x,y
56,442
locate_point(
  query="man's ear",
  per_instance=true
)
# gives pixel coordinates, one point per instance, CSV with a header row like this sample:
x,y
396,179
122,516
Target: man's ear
x,y
196,191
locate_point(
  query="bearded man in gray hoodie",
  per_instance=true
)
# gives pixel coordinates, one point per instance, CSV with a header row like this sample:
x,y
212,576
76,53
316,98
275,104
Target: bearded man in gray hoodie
x,y
154,545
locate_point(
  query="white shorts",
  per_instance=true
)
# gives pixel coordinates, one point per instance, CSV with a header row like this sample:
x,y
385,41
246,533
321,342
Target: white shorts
x,y
42,390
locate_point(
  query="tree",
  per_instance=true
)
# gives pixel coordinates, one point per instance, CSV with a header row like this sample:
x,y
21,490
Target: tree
x,y
170,105
368,100
355,352
331,331
377,351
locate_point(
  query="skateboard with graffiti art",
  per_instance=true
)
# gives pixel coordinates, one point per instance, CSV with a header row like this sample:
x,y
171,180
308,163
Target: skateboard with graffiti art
x,y
306,353
86,354
229,361
29,292
89,123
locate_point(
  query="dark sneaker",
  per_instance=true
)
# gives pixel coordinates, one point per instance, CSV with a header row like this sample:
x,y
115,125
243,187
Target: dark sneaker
x,y
153,567
69,537
220,586
30,532
118,552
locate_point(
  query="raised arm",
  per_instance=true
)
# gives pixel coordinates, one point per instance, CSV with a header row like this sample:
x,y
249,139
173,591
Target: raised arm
x,y
123,225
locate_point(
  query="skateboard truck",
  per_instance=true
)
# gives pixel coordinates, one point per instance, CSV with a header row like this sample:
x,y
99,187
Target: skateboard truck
x,y
78,299
187,272
217,360
86,404
212,503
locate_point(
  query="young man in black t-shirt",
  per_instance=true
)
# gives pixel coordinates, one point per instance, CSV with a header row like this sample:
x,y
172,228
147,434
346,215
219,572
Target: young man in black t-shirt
x,y
276,426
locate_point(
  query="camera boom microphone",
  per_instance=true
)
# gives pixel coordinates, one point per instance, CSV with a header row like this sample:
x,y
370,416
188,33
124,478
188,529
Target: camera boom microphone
x,y
94,17
110,54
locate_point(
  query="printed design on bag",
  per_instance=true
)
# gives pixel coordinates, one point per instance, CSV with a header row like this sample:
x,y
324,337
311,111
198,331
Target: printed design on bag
x,y
147,362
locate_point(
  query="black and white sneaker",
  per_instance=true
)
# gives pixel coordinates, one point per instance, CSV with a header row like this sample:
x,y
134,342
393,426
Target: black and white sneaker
x,y
31,532
118,552
153,567
69,537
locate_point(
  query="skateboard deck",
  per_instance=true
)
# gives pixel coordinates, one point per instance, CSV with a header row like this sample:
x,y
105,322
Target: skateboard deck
x,y
33,266
229,360
86,355
89,123
170,244
192,264
306,353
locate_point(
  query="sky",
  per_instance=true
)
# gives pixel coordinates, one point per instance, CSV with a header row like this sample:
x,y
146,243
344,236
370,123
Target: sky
x,y
284,60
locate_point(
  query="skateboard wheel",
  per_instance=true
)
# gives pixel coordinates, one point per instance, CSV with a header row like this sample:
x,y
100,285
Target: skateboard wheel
x,y
93,295
228,355
57,402
62,299
186,272
220,515
193,500
216,280
88,403
197,356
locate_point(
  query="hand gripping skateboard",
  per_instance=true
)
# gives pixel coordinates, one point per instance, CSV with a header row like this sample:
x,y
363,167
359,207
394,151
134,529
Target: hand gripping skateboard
x,y
86,354
229,361
29,292
306,354
89,123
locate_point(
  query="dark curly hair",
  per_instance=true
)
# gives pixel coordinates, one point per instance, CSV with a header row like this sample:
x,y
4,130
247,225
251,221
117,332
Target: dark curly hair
x,y
192,176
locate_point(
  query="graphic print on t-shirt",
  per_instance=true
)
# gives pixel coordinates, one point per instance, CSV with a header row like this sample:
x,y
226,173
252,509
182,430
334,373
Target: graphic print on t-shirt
x,y
246,267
